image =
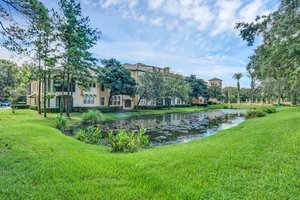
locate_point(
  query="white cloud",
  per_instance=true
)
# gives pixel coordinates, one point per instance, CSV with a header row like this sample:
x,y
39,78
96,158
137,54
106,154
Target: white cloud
x,y
156,21
250,11
215,17
109,3
227,15
155,4
190,10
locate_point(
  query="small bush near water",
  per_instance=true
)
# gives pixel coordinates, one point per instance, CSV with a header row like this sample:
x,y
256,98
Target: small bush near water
x,y
254,114
92,117
91,135
126,141
268,109
61,123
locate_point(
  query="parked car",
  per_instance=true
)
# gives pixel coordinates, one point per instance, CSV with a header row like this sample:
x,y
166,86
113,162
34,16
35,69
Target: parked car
x,y
5,103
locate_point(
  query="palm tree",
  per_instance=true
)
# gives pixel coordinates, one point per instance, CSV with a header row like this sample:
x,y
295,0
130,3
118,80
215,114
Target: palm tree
x,y
237,77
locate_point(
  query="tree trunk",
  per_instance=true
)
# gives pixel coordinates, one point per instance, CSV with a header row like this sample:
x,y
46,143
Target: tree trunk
x,y
138,103
39,84
239,101
68,96
71,106
169,103
45,98
278,102
109,99
62,99
39,96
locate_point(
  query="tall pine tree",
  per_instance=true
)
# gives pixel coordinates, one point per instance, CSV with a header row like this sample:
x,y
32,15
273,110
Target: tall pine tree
x,y
77,38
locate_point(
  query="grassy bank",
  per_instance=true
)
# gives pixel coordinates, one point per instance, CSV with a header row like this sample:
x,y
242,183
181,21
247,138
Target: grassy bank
x,y
259,159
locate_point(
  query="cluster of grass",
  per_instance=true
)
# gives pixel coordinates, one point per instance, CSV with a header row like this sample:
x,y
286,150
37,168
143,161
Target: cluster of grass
x,y
259,159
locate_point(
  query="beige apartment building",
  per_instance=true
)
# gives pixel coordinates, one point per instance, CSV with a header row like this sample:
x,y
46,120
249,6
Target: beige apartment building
x,y
215,81
98,95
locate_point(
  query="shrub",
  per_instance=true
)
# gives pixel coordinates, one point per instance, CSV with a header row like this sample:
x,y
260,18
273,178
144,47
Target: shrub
x,y
151,107
183,105
92,117
61,123
225,106
20,106
254,114
142,138
33,107
268,109
52,110
91,135
102,109
125,141
49,110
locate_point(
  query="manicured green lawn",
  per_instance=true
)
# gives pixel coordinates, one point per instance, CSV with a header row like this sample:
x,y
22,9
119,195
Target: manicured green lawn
x,y
259,159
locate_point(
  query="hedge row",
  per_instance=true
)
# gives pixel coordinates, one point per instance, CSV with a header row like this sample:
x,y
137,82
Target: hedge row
x,y
33,107
183,105
49,110
150,107
103,109
162,106
20,106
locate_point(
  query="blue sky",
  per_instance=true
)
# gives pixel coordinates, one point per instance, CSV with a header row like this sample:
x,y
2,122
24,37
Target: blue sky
x,y
190,36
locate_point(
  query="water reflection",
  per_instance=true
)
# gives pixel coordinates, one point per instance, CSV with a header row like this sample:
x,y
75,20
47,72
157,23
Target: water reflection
x,y
180,127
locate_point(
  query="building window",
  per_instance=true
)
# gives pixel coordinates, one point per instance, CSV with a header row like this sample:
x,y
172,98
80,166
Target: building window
x,y
178,101
119,100
84,99
93,85
102,99
102,88
92,99
173,101
142,102
116,100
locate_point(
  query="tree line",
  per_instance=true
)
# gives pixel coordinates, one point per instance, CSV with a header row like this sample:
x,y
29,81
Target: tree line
x,y
57,41
276,60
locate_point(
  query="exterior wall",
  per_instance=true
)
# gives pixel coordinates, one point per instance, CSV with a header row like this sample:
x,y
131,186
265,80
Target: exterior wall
x,y
96,93
32,93
215,82
199,100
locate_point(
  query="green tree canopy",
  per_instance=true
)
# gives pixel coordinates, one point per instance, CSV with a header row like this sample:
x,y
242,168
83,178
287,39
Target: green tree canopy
x,y
278,55
13,80
76,38
198,87
116,78
237,77
149,86
13,33
175,86
214,91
